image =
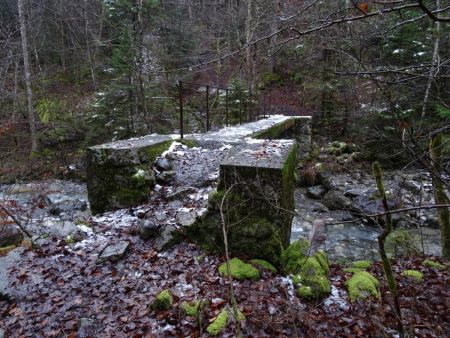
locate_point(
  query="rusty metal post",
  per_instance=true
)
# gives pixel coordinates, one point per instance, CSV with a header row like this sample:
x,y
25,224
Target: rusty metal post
x,y
207,108
180,93
226,108
240,108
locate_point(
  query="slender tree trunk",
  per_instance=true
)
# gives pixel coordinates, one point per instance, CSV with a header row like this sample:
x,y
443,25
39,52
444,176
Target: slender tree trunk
x,y
248,51
27,73
440,197
434,62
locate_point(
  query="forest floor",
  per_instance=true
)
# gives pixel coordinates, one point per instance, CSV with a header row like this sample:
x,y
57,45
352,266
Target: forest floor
x,y
63,291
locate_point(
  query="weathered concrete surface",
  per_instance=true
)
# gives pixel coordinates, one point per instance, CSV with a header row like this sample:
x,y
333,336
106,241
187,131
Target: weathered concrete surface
x,y
120,174
256,185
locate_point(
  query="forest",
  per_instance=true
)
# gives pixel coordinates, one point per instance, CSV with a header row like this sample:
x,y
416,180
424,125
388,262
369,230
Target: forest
x,y
230,168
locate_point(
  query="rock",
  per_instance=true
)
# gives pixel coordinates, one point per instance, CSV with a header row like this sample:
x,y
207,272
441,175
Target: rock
x,y
114,252
318,207
10,235
20,188
2,333
165,177
163,164
335,200
12,259
369,204
316,192
181,193
167,234
185,217
87,327
148,229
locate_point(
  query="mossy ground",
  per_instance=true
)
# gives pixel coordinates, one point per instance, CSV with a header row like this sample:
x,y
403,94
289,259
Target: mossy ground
x,y
362,285
434,265
363,265
240,270
163,301
265,264
218,324
413,274
192,308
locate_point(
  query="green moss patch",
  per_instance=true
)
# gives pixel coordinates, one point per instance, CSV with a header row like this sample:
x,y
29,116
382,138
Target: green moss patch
x,y
305,292
192,308
240,270
413,274
218,324
363,265
294,255
363,285
163,301
433,265
264,264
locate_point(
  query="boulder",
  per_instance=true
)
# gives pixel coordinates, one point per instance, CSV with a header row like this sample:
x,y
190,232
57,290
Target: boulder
x,y
114,252
335,200
10,234
149,229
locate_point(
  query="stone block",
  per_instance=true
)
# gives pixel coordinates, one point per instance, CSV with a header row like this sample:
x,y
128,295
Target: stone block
x,y
120,174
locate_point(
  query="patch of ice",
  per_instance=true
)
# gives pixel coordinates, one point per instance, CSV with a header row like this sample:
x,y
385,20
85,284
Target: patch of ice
x,y
287,282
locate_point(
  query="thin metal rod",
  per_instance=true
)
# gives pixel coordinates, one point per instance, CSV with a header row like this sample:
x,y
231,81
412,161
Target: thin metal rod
x,y
226,108
180,91
207,108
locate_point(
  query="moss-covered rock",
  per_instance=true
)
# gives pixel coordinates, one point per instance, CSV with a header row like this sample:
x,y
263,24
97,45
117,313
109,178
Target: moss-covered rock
x,y
413,274
192,308
264,264
163,301
363,265
239,270
362,285
218,324
305,292
433,265
294,255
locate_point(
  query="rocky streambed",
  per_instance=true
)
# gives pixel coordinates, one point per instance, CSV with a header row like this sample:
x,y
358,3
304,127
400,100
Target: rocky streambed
x,y
344,202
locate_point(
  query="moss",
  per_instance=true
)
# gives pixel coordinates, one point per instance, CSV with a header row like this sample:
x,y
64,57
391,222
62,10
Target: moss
x,y
353,270
414,274
321,256
292,257
6,249
363,265
433,265
239,270
305,292
218,324
311,268
264,264
319,285
151,153
163,301
296,280
362,285
192,308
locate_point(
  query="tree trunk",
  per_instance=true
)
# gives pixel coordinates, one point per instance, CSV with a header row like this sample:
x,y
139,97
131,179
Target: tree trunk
x,y
27,73
440,197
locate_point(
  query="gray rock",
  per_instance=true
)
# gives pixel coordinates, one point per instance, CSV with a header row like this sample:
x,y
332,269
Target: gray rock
x,y
316,192
181,193
166,236
2,333
318,207
114,252
335,200
165,177
368,204
163,164
185,217
149,229
10,235
7,262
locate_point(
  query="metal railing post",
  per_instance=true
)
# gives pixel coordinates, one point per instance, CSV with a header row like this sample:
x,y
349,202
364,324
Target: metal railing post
x,y
207,108
180,92
240,108
226,108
